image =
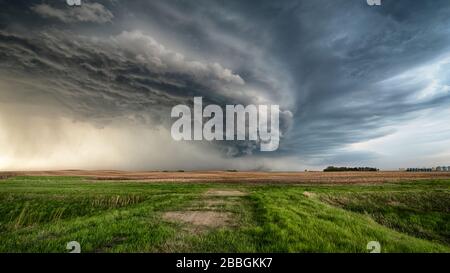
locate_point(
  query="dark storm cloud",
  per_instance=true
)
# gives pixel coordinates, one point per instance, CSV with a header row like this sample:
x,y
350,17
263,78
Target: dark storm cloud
x,y
343,71
329,58
88,12
341,51
109,77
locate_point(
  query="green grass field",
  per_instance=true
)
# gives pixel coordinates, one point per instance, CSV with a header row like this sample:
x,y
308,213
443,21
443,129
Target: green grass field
x,y
43,214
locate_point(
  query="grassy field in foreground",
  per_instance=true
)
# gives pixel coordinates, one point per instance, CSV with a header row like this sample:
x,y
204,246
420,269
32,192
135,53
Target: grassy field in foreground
x,y
43,214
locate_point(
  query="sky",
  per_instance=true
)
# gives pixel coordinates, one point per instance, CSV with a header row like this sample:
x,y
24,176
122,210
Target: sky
x,y
92,87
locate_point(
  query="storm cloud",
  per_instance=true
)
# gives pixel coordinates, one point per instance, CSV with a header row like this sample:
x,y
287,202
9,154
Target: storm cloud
x,y
86,13
82,83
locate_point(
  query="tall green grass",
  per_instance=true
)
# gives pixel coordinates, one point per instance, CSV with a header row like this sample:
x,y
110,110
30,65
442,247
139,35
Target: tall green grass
x,y
42,214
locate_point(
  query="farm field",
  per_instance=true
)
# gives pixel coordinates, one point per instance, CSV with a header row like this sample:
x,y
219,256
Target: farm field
x,y
305,212
247,177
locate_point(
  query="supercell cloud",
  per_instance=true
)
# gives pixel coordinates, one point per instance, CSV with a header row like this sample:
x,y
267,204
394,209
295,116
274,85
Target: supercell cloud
x,y
92,86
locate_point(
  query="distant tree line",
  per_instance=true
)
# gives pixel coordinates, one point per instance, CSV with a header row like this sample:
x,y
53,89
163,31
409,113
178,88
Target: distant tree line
x,y
350,169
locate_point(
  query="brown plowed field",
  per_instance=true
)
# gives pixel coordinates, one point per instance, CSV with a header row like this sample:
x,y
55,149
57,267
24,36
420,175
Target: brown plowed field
x,y
247,177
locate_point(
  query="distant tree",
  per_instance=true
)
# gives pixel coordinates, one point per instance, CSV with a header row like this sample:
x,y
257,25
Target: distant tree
x,y
350,169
